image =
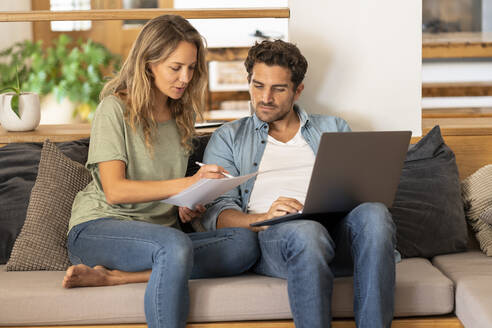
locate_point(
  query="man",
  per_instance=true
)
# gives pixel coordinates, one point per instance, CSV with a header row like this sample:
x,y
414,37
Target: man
x,y
280,135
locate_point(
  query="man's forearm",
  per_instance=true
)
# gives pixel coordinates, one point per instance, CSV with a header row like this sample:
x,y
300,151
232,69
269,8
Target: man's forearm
x,y
234,218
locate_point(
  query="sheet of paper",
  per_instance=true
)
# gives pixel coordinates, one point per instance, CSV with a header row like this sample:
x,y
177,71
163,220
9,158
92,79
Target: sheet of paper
x,y
206,190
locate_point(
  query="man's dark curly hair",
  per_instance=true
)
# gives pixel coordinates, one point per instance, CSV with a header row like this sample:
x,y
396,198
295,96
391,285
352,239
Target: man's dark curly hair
x,y
279,53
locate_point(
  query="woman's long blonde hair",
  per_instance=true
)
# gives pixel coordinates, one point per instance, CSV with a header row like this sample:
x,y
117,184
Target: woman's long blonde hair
x,y
134,82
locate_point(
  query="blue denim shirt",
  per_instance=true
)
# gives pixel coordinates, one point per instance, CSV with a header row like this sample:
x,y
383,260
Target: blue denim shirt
x,y
238,147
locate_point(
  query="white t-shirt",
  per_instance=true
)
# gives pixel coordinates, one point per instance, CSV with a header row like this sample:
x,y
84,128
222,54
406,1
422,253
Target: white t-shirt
x,y
292,163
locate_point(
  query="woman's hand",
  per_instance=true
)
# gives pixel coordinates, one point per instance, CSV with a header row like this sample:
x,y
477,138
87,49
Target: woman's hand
x,y
187,215
209,171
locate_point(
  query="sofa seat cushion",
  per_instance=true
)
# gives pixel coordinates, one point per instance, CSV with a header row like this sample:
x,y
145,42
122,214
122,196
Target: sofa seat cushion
x,y
37,298
472,275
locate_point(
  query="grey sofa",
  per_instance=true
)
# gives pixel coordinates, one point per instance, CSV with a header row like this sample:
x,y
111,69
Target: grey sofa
x,y
37,298
452,290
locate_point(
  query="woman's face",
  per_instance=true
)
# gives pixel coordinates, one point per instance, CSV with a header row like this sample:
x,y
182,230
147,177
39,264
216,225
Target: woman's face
x,y
171,76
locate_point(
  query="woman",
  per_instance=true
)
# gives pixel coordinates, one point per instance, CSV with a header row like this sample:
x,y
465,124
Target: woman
x,y
119,232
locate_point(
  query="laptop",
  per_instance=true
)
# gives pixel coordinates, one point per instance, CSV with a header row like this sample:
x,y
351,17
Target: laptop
x,y
352,168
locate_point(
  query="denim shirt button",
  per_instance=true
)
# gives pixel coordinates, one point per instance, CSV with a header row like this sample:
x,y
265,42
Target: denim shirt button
x,y
263,141
255,164
246,191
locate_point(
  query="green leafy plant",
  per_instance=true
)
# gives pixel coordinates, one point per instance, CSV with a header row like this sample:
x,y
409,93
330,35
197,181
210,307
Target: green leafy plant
x,y
68,69
14,102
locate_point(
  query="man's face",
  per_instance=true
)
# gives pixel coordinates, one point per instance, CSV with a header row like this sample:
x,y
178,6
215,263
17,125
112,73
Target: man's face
x,y
271,92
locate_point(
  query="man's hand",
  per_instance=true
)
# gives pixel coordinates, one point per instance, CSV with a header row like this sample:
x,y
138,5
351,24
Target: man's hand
x,y
280,207
187,215
283,206
235,218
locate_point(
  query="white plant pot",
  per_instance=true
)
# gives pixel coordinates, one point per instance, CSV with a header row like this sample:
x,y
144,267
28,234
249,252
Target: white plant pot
x,y
29,112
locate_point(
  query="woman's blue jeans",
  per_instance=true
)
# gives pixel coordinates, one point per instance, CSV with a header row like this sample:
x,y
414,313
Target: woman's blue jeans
x,y
173,256
309,256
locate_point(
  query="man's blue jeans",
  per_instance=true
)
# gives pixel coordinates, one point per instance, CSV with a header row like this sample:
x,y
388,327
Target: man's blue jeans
x,y
173,256
309,256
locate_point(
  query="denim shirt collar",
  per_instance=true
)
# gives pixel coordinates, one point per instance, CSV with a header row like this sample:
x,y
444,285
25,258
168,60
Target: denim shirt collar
x,y
303,116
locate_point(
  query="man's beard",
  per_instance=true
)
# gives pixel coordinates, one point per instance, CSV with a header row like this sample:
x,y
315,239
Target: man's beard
x,y
277,116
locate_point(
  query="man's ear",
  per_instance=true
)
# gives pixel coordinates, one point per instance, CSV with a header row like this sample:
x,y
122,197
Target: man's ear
x,y
298,92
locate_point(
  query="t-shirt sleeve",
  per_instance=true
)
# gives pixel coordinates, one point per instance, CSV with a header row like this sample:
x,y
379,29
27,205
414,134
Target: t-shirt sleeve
x,y
108,133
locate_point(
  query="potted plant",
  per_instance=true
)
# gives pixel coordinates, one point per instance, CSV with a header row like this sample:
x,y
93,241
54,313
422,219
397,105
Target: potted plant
x,y
19,111
64,70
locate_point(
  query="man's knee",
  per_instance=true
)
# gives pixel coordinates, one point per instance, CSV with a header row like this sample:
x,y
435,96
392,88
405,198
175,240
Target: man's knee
x,y
308,238
373,220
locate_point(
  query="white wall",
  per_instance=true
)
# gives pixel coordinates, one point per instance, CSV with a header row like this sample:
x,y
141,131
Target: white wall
x,y
364,60
487,15
457,70
14,32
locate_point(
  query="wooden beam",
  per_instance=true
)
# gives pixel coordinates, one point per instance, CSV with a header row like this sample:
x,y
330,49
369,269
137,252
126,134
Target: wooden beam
x,y
217,97
227,54
56,133
416,322
456,112
472,152
461,89
457,45
469,126
120,14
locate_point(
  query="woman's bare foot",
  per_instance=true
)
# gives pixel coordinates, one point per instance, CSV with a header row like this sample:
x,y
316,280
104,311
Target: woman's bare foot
x,y
81,275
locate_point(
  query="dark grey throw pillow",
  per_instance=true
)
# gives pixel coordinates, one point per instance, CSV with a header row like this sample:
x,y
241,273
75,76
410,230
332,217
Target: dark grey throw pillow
x,y
428,209
41,244
18,171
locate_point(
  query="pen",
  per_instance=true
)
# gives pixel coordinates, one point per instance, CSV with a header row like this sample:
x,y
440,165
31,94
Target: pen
x,y
225,174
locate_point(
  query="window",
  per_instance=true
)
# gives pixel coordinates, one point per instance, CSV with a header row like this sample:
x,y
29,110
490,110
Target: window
x,y
450,16
63,5
138,4
241,32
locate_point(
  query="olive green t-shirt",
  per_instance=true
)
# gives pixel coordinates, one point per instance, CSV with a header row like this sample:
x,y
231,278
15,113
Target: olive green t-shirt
x,y
113,139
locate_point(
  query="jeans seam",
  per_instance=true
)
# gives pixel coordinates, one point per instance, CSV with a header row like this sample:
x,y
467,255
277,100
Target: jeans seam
x,y
156,299
216,241
281,240
357,287
121,238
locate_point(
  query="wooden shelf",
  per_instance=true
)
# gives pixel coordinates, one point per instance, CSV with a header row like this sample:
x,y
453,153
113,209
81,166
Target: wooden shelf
x,y
454,89
451,126
457,112
227,54
457,45
56,133
120,14
217,97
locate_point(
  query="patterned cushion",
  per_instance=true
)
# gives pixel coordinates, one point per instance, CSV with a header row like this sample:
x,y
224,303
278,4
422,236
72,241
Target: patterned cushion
x,y
477,195
41,244
18,170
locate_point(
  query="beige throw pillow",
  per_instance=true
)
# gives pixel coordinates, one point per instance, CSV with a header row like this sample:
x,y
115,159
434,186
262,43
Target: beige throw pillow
x,y
477,196
41,244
